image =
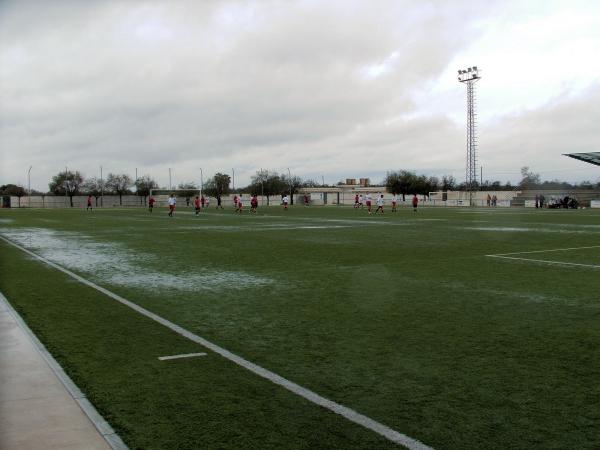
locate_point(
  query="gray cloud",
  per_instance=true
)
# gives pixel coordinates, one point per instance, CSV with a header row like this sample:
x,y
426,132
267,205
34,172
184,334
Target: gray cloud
x,y
320,87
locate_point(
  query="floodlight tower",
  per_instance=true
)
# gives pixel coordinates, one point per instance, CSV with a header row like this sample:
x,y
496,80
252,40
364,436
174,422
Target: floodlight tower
x,y
470,77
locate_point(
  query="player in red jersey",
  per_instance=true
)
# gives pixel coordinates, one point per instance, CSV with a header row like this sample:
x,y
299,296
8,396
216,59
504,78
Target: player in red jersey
x,y
89,202
197,204
415,202
253,204
151,202
240,205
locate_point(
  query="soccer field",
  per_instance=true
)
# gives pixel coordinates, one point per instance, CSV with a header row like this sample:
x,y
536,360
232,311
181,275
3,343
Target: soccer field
x,y
458,328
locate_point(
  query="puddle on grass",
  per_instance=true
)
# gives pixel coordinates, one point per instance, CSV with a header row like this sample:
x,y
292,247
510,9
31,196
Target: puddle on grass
x,y
115,264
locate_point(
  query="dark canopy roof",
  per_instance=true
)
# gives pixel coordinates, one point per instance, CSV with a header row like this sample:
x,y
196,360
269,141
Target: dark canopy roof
x,y
592,158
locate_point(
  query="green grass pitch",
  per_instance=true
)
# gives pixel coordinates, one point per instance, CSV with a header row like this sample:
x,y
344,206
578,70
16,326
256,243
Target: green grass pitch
x,y
457,327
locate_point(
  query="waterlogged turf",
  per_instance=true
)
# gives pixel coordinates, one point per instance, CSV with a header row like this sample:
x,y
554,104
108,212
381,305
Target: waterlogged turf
x,y
402,317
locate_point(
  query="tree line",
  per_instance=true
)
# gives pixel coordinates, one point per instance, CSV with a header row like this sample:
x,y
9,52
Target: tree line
x,y
71,183
269,183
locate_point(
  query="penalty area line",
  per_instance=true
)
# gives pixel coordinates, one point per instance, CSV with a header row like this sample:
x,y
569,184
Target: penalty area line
x,y
344,411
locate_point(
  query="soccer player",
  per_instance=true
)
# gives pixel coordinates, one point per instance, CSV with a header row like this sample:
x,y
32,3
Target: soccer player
x,y
172,203
286,200
151,202
415,202
253,204
356,204
360,201
197,204
235,201
379,204
240,205
207,202
394,203
368,202
89,202
202,200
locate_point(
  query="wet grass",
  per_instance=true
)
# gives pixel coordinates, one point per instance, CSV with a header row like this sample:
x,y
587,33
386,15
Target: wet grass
x,y
402,318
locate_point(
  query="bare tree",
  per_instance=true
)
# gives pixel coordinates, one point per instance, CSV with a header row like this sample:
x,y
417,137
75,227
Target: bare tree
x,y
66,183
119,184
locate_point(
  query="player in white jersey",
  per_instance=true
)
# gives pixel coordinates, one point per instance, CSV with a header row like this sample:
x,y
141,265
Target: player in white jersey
x,y
379,204
368,202
394,203
172,204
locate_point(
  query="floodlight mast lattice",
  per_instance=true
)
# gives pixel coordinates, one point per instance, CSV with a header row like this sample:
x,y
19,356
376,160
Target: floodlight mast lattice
x,y
469,77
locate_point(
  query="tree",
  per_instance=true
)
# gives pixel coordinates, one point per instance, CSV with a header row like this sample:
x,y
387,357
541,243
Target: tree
x,y
13,190
434,184
93,186
293,184
529,179
419,185
268,184
311,184
66,183
448,183
189,190
402,182
119,184
217,186
144,185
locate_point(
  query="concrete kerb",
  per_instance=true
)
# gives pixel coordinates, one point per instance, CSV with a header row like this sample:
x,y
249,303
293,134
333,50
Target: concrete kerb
x,y
103,427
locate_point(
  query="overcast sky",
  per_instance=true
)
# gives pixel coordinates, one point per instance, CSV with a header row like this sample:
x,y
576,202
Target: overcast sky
x,y
331,89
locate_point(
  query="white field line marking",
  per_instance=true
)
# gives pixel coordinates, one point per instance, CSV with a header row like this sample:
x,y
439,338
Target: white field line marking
x,y
544,251
187,355
350,414
545,261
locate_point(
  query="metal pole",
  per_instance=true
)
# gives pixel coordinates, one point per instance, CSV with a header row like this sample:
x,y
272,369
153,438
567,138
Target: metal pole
x,y
66,184
481,177
101,189
201,182
262,188
29,186
291,194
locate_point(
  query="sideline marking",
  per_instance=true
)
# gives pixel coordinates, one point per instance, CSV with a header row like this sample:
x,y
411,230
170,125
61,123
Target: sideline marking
x,y
102,426
544,251
187,355
545,261
309,395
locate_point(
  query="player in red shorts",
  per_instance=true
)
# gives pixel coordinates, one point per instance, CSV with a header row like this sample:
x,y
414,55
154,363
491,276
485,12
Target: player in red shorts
x,y
172,203
240,205
253,204
379,204
368,201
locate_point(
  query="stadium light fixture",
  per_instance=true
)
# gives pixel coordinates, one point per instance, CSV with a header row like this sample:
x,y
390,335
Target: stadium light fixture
x,y
469,77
